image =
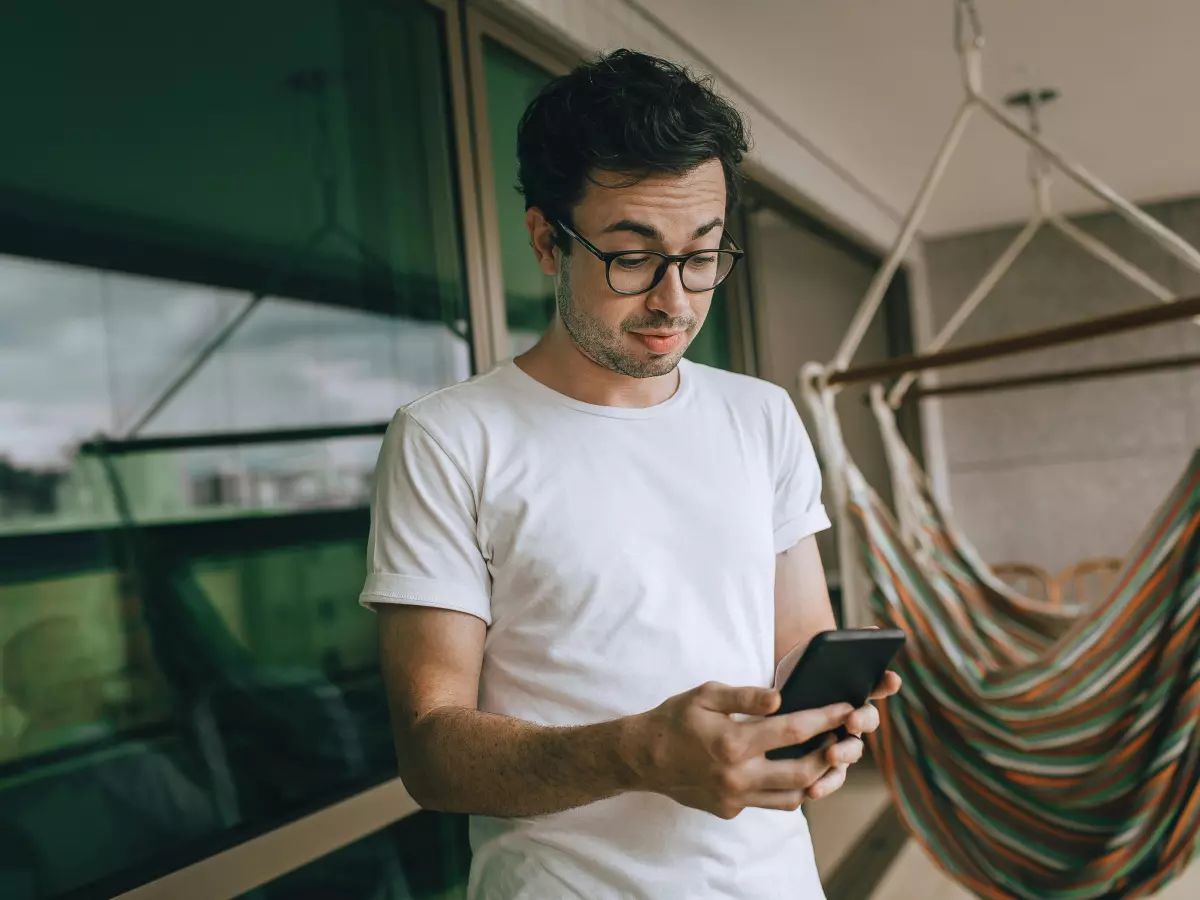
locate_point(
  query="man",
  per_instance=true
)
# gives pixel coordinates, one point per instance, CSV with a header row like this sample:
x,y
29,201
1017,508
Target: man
x,y
588,561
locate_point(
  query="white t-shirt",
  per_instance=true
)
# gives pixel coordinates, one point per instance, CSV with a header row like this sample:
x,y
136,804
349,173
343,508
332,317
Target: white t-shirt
x,y
619,557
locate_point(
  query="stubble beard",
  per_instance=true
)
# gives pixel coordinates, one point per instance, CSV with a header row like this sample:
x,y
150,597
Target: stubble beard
x,y
602,344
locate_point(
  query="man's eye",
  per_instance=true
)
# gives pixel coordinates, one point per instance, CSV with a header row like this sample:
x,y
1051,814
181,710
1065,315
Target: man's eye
x,y
702,262
631,263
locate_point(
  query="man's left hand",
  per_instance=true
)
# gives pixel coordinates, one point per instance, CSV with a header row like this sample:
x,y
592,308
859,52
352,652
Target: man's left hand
x,y
863,720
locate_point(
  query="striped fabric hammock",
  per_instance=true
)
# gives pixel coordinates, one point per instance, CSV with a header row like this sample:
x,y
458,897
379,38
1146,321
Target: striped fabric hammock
x,y
1035,751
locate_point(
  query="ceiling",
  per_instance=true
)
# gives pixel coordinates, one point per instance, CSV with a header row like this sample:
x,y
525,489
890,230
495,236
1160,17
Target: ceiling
x,y
874,84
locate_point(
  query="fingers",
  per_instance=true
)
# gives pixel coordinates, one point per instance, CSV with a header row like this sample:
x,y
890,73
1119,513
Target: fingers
x,y
794,728
787,774
828,783
767,784
844,753
890,685
751,701
786,784
863,720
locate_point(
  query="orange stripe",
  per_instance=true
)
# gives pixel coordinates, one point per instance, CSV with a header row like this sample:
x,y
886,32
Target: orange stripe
x,y
987,794
1156,595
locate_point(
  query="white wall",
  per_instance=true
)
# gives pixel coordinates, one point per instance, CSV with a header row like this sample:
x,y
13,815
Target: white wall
x,y
602,25
806,291
1056,474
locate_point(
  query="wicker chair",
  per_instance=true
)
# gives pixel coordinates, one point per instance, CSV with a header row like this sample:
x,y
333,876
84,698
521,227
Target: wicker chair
x,y
1028,580
1088,581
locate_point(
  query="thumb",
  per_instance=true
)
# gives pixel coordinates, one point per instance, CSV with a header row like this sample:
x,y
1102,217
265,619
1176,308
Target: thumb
x,y
751,701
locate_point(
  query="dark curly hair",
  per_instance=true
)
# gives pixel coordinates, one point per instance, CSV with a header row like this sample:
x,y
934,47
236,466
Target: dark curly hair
x,y
626,113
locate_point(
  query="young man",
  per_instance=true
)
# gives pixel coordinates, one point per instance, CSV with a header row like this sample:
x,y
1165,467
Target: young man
x,y
588,561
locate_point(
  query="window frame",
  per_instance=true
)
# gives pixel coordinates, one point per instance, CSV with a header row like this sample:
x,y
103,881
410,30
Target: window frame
x,y
481,25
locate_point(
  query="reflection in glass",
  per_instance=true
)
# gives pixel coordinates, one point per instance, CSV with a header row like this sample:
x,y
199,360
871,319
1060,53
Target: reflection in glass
x,y
292,364
423,857
224,679
713,345
512,83
183,663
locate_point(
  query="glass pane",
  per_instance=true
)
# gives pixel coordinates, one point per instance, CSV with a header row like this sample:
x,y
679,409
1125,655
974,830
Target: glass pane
x,y
221,684
713,345
292,364
236,142
512,83
183,663
424,857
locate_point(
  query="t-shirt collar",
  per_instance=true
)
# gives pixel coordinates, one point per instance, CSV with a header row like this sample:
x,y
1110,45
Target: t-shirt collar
x,y
531,385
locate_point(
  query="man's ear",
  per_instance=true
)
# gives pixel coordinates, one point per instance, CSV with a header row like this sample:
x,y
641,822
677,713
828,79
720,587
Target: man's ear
x,y
542,238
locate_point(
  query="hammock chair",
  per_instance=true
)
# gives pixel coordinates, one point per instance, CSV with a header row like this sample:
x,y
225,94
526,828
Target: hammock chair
x,y
1038,750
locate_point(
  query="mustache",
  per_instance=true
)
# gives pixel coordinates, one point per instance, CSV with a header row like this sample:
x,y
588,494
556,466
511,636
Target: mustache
x,y
659,321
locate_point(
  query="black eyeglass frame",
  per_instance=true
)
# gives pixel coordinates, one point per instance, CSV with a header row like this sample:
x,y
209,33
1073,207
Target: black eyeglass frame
x,y
680,259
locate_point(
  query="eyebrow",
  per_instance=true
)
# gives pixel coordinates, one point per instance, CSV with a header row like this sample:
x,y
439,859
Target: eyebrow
x,y
652,233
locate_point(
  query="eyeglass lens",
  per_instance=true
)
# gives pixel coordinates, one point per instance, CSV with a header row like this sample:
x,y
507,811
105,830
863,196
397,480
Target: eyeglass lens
x,y
633,273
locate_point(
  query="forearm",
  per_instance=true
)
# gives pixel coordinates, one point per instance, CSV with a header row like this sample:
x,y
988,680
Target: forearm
x,y
467,761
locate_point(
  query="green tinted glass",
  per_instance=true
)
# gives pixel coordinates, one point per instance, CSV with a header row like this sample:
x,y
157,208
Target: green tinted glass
x,y
512,83
425,856
713,346
183,662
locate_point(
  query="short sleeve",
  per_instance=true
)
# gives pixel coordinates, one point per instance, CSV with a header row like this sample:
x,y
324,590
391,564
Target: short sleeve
x,y
423,549
799,511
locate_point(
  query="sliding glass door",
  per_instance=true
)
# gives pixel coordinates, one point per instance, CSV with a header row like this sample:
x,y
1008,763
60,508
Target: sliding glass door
x,y
511,82
184,663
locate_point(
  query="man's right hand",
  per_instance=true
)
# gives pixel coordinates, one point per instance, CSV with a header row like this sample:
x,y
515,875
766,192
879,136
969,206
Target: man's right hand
x,y
693,750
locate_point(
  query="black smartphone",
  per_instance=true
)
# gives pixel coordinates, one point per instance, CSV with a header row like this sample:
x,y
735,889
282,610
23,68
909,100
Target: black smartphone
x,y
842,666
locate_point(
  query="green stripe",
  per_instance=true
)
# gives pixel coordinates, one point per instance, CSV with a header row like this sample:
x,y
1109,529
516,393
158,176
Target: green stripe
x,y
978,654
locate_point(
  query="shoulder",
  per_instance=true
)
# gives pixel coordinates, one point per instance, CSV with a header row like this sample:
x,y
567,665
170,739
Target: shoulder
x,y
746,393
460,407
455,421
761,409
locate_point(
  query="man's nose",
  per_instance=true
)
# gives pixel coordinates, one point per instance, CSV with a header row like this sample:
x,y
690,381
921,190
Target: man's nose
x,y
668,296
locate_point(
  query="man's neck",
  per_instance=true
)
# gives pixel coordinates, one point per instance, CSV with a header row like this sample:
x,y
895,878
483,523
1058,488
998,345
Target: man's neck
x,y
559,364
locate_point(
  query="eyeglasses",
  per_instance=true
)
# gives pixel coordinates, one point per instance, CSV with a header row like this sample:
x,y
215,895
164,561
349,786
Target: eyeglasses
x,y
638,271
